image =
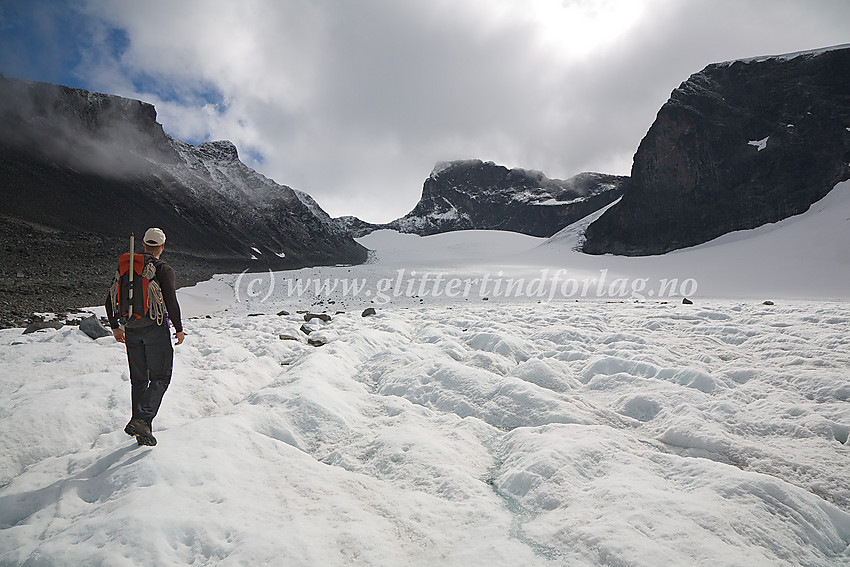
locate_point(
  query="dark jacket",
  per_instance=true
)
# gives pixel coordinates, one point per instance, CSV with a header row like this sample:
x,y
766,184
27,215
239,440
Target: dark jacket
x,y
165,277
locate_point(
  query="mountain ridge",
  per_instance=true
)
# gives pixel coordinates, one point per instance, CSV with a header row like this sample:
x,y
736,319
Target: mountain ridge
x,y
82,170
474,194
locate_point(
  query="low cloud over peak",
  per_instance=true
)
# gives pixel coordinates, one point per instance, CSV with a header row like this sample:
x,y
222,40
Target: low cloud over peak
x,y
355,102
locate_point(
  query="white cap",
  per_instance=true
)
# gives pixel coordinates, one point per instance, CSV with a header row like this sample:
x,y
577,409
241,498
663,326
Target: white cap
x,y
154,237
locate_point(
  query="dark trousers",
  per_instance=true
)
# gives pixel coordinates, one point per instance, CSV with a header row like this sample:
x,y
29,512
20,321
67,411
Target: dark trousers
x,y
150,355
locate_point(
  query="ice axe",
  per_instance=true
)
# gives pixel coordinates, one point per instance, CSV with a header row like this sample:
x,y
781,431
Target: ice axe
x,y
132,246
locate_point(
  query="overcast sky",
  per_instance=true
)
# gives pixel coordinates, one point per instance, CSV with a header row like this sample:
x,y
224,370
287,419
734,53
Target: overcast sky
x,y
354,101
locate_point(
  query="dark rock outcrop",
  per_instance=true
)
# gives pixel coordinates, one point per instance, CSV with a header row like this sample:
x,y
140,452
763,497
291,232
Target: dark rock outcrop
x,y
41,325
356,227
738,145
79,171
473,194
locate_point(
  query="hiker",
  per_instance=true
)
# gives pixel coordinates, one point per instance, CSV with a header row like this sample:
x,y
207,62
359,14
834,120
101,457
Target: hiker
x,y
138,322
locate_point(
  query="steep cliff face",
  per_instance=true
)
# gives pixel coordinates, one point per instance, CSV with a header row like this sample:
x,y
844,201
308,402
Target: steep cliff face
x,y
79,171
738,145
473,194
75,160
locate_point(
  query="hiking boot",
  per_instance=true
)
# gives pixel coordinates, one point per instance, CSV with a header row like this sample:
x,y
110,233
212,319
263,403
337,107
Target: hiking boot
x,y
141,430
135,425
149,441
129,429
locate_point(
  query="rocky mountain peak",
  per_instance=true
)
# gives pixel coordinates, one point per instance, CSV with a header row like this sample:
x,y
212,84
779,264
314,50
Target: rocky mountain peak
x,y
454,166
738,145
220,150
475,194
488,177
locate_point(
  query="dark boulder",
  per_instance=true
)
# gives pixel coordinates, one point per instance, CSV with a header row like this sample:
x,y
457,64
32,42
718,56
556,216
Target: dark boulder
x,y
92,327
40,325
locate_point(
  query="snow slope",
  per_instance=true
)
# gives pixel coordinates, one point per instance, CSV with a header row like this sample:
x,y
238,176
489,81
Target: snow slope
x,y
804,256
453,430
579,434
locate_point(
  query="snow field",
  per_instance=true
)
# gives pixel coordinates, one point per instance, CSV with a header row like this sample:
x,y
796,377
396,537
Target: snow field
x,y
587,433
459,431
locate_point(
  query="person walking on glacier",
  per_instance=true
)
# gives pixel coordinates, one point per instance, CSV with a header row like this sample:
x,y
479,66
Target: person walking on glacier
x,y
140,304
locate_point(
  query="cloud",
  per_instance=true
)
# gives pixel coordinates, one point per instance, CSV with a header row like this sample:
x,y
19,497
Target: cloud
x,y
354,102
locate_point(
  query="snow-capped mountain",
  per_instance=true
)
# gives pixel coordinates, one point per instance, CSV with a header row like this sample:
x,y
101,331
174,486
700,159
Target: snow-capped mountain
x,y
737,145
111,155
473,194
80,171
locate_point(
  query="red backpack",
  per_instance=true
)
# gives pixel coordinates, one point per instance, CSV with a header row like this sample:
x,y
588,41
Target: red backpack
x,y
142,298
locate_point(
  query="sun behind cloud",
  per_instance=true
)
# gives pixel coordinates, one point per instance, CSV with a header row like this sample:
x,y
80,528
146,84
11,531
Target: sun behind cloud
x,y
576,29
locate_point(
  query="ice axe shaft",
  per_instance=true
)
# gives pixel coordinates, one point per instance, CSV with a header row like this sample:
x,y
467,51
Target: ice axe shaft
x,y
132,248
